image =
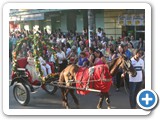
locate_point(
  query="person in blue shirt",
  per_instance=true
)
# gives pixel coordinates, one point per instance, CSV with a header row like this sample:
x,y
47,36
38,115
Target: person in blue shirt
x,y
82,61
127,52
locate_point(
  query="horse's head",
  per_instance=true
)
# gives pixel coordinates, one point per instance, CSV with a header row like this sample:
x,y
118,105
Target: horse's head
x,y
127,66
124,63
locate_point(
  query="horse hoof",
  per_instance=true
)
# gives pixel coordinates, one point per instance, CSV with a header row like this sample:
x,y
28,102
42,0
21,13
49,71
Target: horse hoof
x,y
67,107
98,107
77,107
63,104
109,107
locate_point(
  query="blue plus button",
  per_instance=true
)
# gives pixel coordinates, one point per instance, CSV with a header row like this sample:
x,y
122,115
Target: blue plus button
x,y
147,99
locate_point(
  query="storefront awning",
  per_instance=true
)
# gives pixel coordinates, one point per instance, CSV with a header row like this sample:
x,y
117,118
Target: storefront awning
x,y
28,17
19,12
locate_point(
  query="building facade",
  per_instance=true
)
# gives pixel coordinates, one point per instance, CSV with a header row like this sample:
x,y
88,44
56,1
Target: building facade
x,y
116,23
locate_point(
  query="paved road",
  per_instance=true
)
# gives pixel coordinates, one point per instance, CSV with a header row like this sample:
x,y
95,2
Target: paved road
x,y
42,100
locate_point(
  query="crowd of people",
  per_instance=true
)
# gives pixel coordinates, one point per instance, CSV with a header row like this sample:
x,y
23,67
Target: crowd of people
x,y
73,48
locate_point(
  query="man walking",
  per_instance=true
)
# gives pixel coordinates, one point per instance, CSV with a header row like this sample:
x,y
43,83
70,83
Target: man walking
x,y
135,83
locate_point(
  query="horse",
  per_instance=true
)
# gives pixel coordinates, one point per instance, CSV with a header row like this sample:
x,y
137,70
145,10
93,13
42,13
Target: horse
x,y
67,78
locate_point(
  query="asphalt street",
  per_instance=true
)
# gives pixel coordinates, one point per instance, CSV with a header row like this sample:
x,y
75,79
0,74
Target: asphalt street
x,y
42,100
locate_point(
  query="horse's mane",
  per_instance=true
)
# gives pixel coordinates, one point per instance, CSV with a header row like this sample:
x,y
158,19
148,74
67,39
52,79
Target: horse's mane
x,y
112,63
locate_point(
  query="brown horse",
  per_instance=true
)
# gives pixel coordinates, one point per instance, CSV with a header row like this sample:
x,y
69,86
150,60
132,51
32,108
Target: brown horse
x,y
68,79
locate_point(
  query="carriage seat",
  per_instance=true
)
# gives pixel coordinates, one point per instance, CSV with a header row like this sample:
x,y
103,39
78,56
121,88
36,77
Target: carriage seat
x,y
23,62
21,66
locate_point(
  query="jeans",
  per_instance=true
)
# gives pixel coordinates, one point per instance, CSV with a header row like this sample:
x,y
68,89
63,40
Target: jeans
x,y
134,88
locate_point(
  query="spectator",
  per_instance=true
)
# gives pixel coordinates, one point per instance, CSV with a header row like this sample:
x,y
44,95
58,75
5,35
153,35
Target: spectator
x,y
82,61
104,39
140,44
99,34
130,48
132,40
112,55
100,59
102,49
92,57
136,82
120,71
127,52
68,49
113,42
86,52
14,41
62,61
73,57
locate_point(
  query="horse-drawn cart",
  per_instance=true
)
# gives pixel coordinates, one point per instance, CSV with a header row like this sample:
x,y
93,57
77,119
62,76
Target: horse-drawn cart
x,y
23,84
21,77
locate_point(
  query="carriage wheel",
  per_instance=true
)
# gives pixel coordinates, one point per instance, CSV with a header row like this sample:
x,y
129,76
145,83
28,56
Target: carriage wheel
x,y
21,94
50,88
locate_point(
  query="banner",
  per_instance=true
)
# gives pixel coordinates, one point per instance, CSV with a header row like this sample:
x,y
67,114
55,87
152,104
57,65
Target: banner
x,y
121,20
131,20
139,20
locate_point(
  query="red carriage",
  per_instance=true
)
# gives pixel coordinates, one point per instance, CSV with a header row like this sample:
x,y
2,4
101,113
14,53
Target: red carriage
x,y
22,79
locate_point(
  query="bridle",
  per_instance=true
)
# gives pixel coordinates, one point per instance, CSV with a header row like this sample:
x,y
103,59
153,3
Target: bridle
x,y
127,66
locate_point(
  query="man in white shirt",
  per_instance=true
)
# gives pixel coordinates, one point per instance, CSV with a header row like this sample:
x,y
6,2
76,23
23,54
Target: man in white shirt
x,y
46,68
135,83
61,59
99,33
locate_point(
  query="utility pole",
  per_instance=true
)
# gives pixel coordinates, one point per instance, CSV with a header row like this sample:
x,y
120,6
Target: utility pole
x,y
91,25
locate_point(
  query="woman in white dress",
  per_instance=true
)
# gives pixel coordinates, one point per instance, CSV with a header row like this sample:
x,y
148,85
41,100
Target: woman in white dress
x,y
31,66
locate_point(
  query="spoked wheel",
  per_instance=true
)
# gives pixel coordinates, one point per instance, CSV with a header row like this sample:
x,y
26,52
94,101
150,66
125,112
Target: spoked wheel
x,y
21,94
50,88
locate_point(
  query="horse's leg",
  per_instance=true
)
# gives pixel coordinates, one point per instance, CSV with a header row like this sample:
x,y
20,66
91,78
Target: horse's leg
x,y
66,98
74,97
63,96
107,100
99,106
